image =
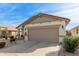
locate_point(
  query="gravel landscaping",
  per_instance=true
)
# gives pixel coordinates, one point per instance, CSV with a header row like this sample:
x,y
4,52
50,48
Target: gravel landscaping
x,y
65,53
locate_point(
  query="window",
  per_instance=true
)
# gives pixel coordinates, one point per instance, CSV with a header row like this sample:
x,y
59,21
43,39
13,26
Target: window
x,y
62,26
76,30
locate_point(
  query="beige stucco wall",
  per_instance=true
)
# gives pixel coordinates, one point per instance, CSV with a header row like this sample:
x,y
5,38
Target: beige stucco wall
x,y
43,19
14,33
45,24
25,36
19,30
62,31
74,31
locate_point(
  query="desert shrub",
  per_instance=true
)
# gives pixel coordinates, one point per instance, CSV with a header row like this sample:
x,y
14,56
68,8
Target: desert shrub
x,y
3,36
2,44
71,44
12,39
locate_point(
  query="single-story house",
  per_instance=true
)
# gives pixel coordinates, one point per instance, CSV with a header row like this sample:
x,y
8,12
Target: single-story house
x,y
75,31
8,30
43,27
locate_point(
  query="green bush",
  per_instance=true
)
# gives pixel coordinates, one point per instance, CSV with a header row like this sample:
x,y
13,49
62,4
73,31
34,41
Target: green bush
x,y
71,44
2,44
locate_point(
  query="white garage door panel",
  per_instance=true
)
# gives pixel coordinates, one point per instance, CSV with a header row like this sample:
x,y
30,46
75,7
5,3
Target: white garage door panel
x,y
43,34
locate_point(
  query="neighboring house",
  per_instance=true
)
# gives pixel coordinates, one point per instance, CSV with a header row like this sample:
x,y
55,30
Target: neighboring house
x,y
75,31
68,33
44,27
10,30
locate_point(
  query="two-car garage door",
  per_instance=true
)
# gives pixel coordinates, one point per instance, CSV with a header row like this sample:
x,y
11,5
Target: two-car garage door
x,y
47,33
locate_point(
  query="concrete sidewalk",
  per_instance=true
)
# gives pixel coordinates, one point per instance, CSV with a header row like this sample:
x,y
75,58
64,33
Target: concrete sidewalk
x,y
32,48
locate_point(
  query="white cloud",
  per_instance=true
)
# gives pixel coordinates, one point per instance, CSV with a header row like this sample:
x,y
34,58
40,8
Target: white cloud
x,y
72,14
70,11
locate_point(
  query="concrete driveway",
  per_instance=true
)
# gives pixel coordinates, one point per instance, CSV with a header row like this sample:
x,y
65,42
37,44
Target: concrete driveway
x,y
32,48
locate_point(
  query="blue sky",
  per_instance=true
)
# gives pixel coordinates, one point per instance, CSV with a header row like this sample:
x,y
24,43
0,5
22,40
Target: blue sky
x,y
15,14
